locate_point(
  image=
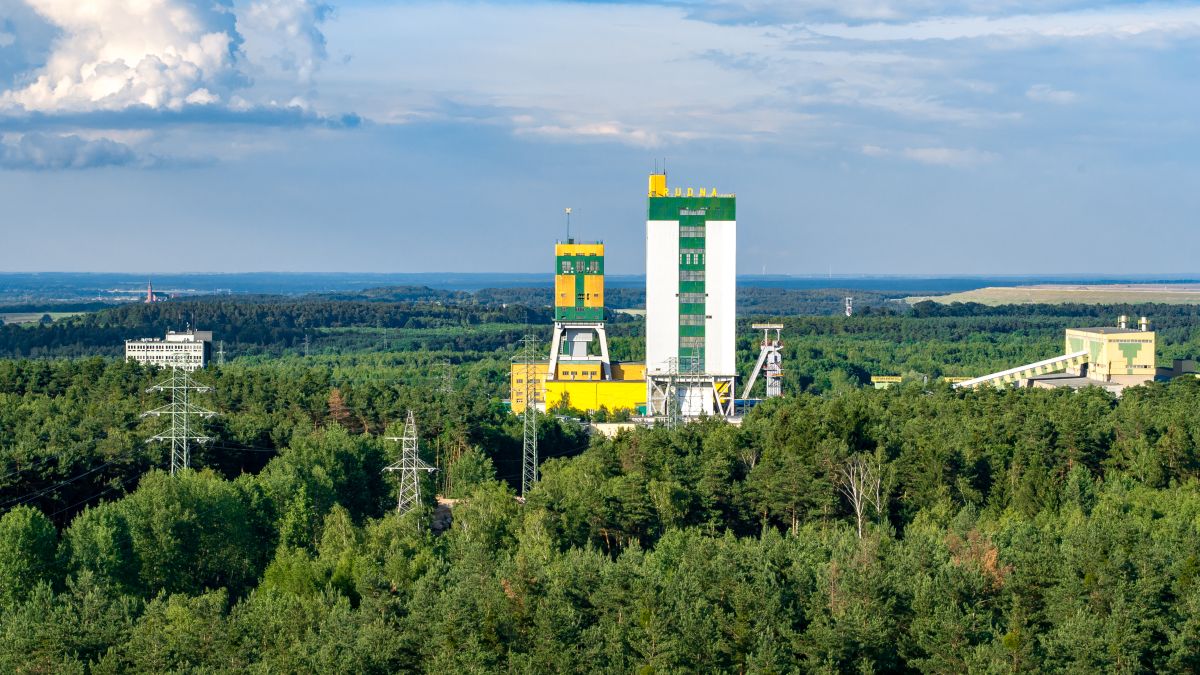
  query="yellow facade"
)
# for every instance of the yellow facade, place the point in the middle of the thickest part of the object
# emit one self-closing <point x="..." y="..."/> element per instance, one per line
<point x="571" y="248"/>
<point x="584" y="395"/>
<point x="516" y="383"/>
<point x="1118" y="355"/>
<point x="577" y="370"/>
<point x="593" y="289"/>
<point x="579" y="281"/>
<point x="629" y="371"/>
<point x="581" y="384"/>
<point x="564" y="290"/>
<point x="658" y="185"/>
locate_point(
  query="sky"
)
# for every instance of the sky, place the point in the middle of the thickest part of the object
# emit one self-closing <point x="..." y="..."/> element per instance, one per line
<point x="860" y="136"/>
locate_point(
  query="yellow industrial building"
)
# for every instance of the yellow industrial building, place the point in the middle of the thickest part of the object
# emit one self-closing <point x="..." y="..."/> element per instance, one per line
<point x="1111" y="357"/>
<point x="578" y="373"/>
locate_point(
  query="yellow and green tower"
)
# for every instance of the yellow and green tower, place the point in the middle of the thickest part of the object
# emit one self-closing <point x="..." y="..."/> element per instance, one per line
<point x="579" y="348"/>
<point x="579" y="282"/>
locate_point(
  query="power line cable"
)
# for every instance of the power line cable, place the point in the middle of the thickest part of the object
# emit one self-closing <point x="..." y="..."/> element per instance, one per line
<point x="33" y="464"/>
<point x="17" y="501"/>
<point x="98" y="494"/>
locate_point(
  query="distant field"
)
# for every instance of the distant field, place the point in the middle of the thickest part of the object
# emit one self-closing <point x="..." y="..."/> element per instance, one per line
<point x="1057" y="294"/>
<point x="33" y="317"/>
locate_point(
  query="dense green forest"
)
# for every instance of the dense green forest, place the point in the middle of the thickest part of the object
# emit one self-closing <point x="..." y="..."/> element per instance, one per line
<point x="383" y="319"/>
<point x="838" y="529"/>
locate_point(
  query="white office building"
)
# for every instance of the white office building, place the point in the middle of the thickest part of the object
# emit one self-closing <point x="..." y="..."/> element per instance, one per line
<point x="187" y="350"/>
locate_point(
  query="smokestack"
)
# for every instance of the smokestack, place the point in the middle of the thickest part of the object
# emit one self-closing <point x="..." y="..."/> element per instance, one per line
<point x="1144" y="324"/>
<point x="1123" y="321"/>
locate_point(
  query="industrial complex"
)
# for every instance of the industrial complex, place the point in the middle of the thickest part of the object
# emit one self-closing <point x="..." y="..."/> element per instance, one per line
<point x="691" y="288"/>
<point x="1111" y="357"/>
<point x="690" y="368"/>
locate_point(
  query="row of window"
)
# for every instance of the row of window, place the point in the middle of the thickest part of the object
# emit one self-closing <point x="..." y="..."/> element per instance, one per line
<point x="691" y="231"/>
<point x="691" y="258"/>
<point x="692" y="341"/>
<point x="691" y="275"/>
<point x="691" y="319"/>
<point x="580" y="267"/>
<point x="691" y="298"/>
<point x="585" y="374"/>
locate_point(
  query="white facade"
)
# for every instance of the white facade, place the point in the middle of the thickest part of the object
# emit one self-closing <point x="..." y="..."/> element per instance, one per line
<point x="691" y="302"/>
<point x="720" y="322"/>
<point x="662" y="294"/>
<point x="187" y="351"/>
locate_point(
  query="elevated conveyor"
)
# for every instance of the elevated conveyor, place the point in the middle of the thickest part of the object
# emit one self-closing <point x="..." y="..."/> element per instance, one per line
<point x="1014" y="375"/>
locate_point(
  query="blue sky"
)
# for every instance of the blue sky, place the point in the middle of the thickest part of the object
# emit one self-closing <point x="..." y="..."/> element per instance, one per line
<point x="861" y="136"/>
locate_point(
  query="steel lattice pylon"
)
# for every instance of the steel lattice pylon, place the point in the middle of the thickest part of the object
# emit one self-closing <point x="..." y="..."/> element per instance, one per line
<point x="409" y="466"/>
<point x="671" y="404"/>
<point x="529" y="453"/>
<point x="180" y="409"/>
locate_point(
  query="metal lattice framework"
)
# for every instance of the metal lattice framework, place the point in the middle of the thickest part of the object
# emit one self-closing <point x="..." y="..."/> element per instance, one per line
<point x="770" y="361"/>
<point x="181" y="411"/>
<point x="447" y="384"/>
<point x="409" y="466"/>
<point x="529" y="452"/>
<point x="671" y="403"/>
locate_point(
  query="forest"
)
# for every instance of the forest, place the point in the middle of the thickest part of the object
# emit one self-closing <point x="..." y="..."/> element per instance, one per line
<point x="838" y="529"/>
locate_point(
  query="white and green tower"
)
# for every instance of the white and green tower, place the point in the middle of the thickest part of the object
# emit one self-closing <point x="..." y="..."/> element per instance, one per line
<point x="691" y="303"/>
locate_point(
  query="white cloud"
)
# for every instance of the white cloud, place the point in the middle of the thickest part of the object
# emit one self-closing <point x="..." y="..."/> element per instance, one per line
<point x="163" y="54"/>
<point x="1044" y="93"/>
<point x="1183" y="22"/>
<point x="114" y="54"/>
<point x="954" y="157"/>
<point x="874" y="151"/>
<point x="283" y="37"/>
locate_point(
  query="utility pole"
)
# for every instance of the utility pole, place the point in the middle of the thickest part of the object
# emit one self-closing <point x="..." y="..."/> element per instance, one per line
<point x="181" y="410"/>
<point x="529" y="453"/>
<point x="409" y="465"/>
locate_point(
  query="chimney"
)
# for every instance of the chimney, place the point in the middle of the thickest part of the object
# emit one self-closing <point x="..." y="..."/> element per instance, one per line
<point x="1123" y="321"/>
<point x="1144" y="324"/>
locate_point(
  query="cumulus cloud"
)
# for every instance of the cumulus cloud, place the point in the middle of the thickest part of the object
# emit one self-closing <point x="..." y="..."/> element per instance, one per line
<point x="284" y="36"/>
<point x="165" y="54"/>
<point x="954" y="157"/>
<point x="38" y="151"/>
<point x="114" y="54"/>
<point x="1044" y="93"/>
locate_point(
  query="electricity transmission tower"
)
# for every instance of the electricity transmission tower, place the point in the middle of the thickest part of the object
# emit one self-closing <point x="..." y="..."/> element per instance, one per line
<point x="306" y="343"/>
<point x="181" y="410"/>
<point x="529" y="453"/>
<point x="221" y="353"/>
<point x="409" y="465"/>
<point x="447" y="385"/>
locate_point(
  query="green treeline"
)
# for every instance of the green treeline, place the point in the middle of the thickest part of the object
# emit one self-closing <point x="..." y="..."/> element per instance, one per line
<point x="1026" y="530"/>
